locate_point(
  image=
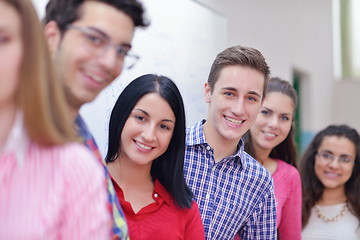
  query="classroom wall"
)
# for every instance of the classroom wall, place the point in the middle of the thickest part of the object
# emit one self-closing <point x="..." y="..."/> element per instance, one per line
<point x="181" y="43"/>
<point x="296" y="35"/>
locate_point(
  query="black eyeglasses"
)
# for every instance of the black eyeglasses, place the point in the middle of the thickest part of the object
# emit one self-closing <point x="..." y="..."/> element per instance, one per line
<point x="99" y="44"/>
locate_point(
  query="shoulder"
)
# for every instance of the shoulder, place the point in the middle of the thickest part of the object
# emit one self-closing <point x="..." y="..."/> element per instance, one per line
<point x="253" y="167"/>
<point x="76" y="158"/>
<point x="190" y="213"/>
<point x="255" y="174"/>
<point x="195" y="134"/>
<point x="286" y="170"/>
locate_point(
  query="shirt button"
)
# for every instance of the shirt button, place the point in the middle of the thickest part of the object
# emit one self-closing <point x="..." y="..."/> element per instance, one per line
<point x="208" y="196"/>
<point x="156" y="195"/>
<point x="208" y="148"/>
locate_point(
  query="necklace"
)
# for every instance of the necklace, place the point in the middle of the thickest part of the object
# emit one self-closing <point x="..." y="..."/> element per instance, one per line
<point x="333" y="219"/>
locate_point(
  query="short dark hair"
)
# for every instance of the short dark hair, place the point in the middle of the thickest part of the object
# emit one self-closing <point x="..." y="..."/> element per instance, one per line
<point x="242" y="56"/>
<point x="286" y="150"/>
<point x="169" y="167"/>
<point x="312" y="187"/>
<point x="65" y="12"/>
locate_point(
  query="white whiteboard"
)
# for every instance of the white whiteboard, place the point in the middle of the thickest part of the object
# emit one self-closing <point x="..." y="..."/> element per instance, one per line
<point x="181" y="43"/>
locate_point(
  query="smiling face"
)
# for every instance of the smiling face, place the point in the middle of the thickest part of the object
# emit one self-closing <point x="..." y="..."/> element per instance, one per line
<point x="234" y="103"/>
<point x="334" y="175"/>
<point x="273" y="123"/>
<point x="11" y="52"/>
<point x="83" y="71"/>
<point x="148" y="130"/>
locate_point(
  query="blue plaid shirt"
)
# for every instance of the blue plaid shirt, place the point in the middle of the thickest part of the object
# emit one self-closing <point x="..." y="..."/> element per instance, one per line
<point x="234" y="195"/>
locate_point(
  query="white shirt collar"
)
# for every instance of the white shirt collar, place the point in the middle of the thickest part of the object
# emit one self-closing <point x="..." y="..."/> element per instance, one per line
<point x="17" y="141"/>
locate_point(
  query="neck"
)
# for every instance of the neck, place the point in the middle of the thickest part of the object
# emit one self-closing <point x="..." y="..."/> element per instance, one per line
<point x="263" y="157"/>
<point x="7" y="119"/>
<point x="135" y="182"/>
<point x="129" y="175"/>
<point x="261" y="154"/>
<point x="222" y="147"/>
<point x="333" y="196"/>
<point x="74" y="112"/>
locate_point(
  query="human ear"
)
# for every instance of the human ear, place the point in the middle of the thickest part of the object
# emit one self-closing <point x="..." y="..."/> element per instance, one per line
<point x="207" y="92"/>
<point x="52" y="35"/>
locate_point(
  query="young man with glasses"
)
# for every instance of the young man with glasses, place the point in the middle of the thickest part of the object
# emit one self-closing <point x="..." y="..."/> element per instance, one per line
<point x="90" y="43"/>
<point x="234" y="192"/>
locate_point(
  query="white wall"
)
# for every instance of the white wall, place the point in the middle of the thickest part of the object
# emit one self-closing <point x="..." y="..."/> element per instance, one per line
<point x="296" y="35"/>
<point x="177" y="45"/>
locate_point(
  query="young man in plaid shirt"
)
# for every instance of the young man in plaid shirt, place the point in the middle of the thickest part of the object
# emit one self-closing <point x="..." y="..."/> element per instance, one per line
<point x="234" y="192"/>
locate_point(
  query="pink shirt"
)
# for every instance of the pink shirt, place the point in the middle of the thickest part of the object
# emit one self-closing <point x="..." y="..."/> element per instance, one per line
<point x="287" y="184"/>
<point x="51" y="193"/>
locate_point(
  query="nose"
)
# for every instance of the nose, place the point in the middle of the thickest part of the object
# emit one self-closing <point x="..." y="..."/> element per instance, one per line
<point x="334" y="163"/>
<point x="274" y="121"/>
<point x="238" y="107"/>
<point x="149" y="133"/>
<point x="111" y="62"/>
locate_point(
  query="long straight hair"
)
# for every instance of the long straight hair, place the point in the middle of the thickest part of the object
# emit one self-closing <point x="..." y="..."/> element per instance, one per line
<point x="286" y="150"/>
<point x="168" y="168"/>
<point x="40" y="96"/>
<point x="313" y="188"/>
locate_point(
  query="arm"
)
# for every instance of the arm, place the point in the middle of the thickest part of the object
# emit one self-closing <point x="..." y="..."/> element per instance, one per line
<point x="194" y="226"/>
<point x="85" y="213"/>
<point x="262" y="224"/>
<point x="290" y="224"/>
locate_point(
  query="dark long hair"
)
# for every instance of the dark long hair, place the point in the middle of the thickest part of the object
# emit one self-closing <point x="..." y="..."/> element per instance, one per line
<point x="168" y="168"/>
<point x="313" y="188"/>
<point x="286" y="150"/>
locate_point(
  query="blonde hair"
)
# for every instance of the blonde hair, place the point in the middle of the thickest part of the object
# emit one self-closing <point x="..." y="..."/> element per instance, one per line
<point x="40" y="96"/>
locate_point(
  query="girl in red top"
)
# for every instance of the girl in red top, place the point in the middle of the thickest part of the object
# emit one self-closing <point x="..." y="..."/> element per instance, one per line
<point x="145" y="159"/>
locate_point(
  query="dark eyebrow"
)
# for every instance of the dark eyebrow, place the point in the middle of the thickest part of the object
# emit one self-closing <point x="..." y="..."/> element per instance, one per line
<point x="255" y="93"/>
<point x="327" y="151"/>
<point x="341" y="155"/>
<point x="103" y="34"/>
<point x="230" y="89"/>
<point x="268" y="109"/>
<point x="143" y="111"/>
<point x="147" y="114"/>
<point x="168" y="120"/>
<point x="235" y="90"/>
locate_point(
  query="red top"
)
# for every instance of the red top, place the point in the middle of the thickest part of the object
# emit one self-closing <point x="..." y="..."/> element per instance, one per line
<point x="161" y="219"/>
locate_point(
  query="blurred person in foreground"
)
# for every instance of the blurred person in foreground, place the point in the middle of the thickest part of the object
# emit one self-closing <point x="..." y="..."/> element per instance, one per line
<point x="90" y="42"/>
<point x="47" y="181"/>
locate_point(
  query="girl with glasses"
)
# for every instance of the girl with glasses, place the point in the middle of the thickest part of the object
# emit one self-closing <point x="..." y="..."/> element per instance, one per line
<point x="331" y="175"/>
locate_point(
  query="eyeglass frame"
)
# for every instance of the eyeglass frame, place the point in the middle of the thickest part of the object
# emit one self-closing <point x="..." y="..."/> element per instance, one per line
<point x="104" y="39"/>
<point x="330" y="158"/>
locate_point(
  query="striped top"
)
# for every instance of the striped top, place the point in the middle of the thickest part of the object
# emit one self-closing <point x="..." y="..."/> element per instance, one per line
<point x="119" y="226"/>
<point x="50" y="192"/>
<point x="235" y="195"/>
